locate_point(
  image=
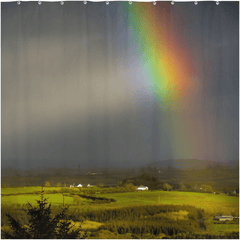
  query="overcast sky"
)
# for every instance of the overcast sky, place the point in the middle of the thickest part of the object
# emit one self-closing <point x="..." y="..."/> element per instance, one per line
<point x="77" y="83"/>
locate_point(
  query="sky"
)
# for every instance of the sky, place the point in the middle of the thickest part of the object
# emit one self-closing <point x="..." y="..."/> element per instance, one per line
<point x="118" y="85"/>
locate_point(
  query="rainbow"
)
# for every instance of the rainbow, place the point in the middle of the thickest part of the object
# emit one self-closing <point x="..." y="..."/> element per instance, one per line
<point x="164" y="58"/>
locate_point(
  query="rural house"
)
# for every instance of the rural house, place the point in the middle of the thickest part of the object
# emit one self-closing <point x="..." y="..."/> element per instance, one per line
<point x="223" y="218"/>
<point x="142" y="188"/>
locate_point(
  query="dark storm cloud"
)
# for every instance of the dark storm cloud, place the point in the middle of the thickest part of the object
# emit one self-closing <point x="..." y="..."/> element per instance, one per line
<point x="67" y="98"/>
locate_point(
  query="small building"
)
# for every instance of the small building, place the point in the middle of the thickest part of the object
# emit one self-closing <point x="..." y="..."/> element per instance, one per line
<point x="142" y="188"/>
<point x="79" y="185"/>
<point x="89" y="173"/>
<point x="223" y="218"/>
<point x="90" y="185"/>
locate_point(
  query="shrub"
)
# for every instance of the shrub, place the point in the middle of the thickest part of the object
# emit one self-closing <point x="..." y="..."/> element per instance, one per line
<point x="167" y="187"/>
<point x="47" y="184"/>
<point x="182" y="187"/>
<point x="77" y="199"/>
<point x="65" y="190"/>
<point x="130" y="187"/>
<point x="71" y="191"/>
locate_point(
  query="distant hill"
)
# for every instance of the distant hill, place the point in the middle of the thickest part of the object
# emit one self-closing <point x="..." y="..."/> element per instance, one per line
<point x="187" y="164"/>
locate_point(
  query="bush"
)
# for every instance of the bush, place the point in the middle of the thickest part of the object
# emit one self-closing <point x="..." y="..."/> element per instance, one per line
<point x="99" y="199"/>
<point x="130" y="187"/>
<point x="77" y="199"/>
<point x="167" y="187"/>
<point x="47" y="184"/>
<point x="65" y="190"/>
<point x="182" y="187"/>
<point x="71" y="191"/>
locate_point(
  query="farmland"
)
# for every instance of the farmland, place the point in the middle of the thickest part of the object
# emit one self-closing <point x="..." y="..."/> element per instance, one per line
<point x="96" y="202"/>
<point x="211" y="203"/>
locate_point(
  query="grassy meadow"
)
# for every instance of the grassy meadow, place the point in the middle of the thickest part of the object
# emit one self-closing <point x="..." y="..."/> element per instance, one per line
<point x="212" y="204"/>
<point x="24" y="190"/>
<point x="31" y="198"/>
<point x="218" y="228"/>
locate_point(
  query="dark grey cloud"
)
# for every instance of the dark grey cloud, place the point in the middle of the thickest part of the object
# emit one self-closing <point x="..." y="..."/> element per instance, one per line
<point x="73" y="92"/>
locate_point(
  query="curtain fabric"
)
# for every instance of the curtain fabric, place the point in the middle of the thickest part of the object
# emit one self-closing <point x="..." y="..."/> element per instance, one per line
<point x="118" y="85"/>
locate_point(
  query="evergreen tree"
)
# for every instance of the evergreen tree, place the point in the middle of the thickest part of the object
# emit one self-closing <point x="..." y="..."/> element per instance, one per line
<point x="42" y="224"/>
<point x="19" y="232"/>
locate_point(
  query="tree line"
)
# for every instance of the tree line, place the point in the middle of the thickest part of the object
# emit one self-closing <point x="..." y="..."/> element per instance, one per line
<point x="136" y="212"/>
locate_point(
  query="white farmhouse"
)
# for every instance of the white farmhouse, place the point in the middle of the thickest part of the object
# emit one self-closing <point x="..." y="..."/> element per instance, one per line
<point x="223" y="218"/>
<point x="142" y="188"/>
<point x="79" y="185"/>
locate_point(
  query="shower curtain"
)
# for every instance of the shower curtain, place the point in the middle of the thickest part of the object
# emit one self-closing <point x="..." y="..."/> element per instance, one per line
<point x="118" y="84"/>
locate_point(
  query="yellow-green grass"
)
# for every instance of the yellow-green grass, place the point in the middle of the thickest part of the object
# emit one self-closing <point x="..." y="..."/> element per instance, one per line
<point x="90" y="225"/>
<point x="31" y="198"/>
<point x="211" y="203"/>
<point x="222" y="228"/>
<point x="21" y="190"/>
<point x="86" y="225"/>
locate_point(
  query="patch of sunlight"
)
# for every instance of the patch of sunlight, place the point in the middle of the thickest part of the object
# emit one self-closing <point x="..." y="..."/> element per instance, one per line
<point x="86" y="225"/>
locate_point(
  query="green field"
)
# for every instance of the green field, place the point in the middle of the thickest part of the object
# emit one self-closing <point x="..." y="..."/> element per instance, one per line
<point x="21" y="190"/>
<point x="218" y="228"/>
<point x="31" y="198"/>
<point x="213" y="204"/>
